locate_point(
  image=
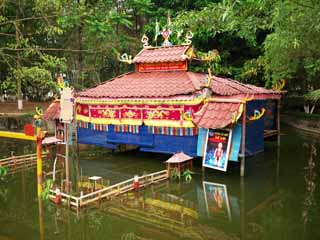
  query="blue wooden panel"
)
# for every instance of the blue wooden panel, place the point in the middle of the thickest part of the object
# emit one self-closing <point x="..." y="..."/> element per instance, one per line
<point x="254" y="129"/>
<point x="173" y="144"/>
<point x="88" y="136"/>
<point x="202" y="136"/>
<point x="141" y="139"/>
<point x="269" y="119"/>
<point x="236" y="143"/>
<point x="130" y="138"/>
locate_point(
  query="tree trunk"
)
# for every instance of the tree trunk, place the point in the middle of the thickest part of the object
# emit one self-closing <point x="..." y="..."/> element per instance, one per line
<point x="79" y="58"/>
<point x="18" y="75"/>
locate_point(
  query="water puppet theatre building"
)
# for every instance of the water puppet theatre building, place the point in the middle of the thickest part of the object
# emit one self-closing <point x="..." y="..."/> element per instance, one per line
<point x="163" y="107"/>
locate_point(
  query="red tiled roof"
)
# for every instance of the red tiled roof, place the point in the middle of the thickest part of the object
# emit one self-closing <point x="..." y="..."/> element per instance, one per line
<point x="216" y="114"/>
<point x="53" y="111"/>
<point x="228" y="87"/>
<point x="161" y="54"/>
<point x="148" y="84"/>
<point x="179" y="158"/>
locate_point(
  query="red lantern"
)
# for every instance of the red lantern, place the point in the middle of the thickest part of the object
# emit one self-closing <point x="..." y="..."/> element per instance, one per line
<point x="28" y="130"/>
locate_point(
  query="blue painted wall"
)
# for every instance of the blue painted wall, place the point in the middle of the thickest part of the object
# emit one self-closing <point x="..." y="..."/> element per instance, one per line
<point x="89" y="136"/>
<point x="173" y="144"/>
<point x="141" y="139"/>
<point x="148" y="142"/>
<point x="254" y="129"/>
<point x="270" y="115"/>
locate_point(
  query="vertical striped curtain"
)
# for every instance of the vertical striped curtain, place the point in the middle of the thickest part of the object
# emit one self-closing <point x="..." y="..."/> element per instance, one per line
<point x="127" y="128"/>
<point x="99" y="127"/>
<point x="81" y="124"/>
<point x="172" y="131"/>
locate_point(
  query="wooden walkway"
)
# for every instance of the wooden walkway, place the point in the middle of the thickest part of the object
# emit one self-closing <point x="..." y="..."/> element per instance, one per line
<point x="111" y="191"/>
<point x="270" y="133"/>
<point x="16" y="164"/>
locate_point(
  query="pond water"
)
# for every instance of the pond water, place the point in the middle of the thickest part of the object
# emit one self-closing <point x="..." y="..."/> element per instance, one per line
<point x="278" y="199"/>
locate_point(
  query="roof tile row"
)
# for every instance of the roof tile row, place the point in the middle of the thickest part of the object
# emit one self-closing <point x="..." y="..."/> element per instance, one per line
<point x="161" y="54"/>
<point x="227" y="87"/>
<point x="150" y="84"/>
<point x="171" y="83"/>
<point x="216" y="115"/>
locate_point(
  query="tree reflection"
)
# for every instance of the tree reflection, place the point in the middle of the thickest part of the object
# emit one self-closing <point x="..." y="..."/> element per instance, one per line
<point x="309" y="178"/>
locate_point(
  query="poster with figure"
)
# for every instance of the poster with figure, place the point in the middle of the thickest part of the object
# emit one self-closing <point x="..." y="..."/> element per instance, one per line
<point x="217" y="149"/>
<point x="217" y="201"/>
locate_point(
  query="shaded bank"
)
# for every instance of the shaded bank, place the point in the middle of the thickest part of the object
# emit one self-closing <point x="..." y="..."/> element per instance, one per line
<point x="309" y="125"/>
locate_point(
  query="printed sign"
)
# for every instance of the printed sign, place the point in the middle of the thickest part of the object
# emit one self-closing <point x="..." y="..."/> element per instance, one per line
<point x="217" y="149"/>
<point x="66" y="105"/>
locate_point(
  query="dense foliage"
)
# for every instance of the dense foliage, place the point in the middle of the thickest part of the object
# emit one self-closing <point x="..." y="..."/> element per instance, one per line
<point x="259" y="41"/>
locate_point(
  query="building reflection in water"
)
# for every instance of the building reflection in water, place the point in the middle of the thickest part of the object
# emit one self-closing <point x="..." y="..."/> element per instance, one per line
<point x="178" y="210"/>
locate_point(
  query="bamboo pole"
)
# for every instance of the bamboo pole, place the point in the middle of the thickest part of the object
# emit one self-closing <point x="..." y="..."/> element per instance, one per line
<point x="67" y="157"/>
<point x="242" y="209"/>
<point x="41" y="224"/>
<point x="39" y="161"/>
<point x="278" y="122"/>
<point x="16" y="135"/>
<point x="243" y="141"/>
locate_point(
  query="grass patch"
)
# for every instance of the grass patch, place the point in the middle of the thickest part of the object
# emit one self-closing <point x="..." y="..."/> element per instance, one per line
<point x="27" y="114"/>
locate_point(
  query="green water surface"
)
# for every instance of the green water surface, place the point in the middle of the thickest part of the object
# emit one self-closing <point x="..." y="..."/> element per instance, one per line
<point x="278" y="199"/>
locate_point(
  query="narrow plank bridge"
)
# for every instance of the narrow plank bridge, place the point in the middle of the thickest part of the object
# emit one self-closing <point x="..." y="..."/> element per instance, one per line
<point x="16" y="164"/>
<point x="109" y="192"/>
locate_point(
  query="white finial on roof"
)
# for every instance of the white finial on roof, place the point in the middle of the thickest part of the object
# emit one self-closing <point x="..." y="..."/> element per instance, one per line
<point x="145" y="41"/>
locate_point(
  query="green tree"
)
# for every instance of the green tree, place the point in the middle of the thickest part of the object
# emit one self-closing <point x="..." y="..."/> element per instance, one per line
<point x="36" y="82"/>
<point x="76" y="37"/>
<point x="292" y="50"/>
<point x="236" y="28"/>
<point x="23" y="28"/>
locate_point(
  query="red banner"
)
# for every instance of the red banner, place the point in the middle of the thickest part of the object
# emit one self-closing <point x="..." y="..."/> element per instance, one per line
<point x="105" y="113"/>
<point x="147" y="67"/>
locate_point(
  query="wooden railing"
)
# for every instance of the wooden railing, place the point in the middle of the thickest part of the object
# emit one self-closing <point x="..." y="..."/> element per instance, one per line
<point x="18" y="163"/>
<point x="111" y="191"/>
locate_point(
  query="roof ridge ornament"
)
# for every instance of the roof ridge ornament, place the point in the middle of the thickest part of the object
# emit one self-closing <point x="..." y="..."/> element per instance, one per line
<point x="145" y="41"/>
<point x="208" y="78"/>
<point x="125" y="58"/>
<point x="189" y="36"/>
<point x="257" y="114"/>
<point x="210" y="56"/>
<point x="279" y="85"/>
<point x="237" y="114"/>
<point x="166" y="32"/>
